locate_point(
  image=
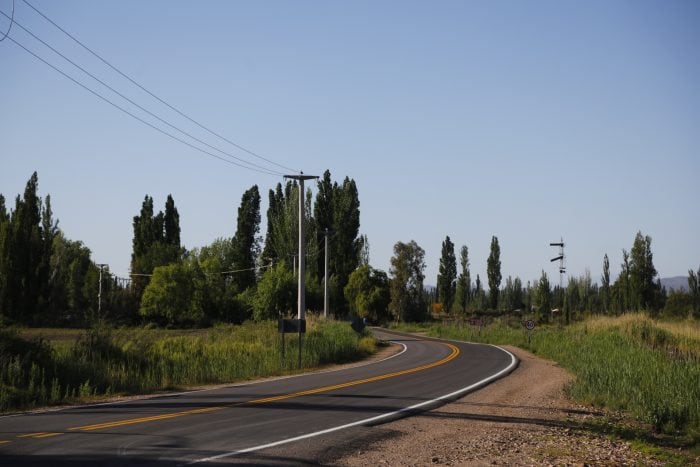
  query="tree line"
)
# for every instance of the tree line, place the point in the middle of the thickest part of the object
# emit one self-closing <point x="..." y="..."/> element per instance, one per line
<point x="49" y="280"/>
<point x="637" y="287"/>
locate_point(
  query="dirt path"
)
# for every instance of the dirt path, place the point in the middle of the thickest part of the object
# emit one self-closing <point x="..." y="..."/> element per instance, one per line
<point x="523" y="419"/>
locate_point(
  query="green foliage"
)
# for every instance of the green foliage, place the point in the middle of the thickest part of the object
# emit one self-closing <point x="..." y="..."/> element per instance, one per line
<point x="678" y="305"/>
<point x="106" y="362"/>
<point x="512" y="295"/>
<point x="493" y="271"/>
<point x="275" y="295"/>
<point x="156" y="241"/>
<point x="543" y="298"/>
<point x="463" y="289"/>
<point x="367" y="293"/>
<point x="246" y="243"/>
<point x="176" y="294"/>
<point x="631" y="364"/>
<point x="406" y="285"/>
<point x="642" y="273"/>
<point x="694" y="290"/>
<point x="447" y="276"/>
<point x="605" y="284"/>
<point x="345" y="245"/>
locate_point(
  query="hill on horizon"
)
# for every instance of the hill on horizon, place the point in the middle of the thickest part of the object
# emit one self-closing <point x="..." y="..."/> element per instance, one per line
<point x="677" y="283"/>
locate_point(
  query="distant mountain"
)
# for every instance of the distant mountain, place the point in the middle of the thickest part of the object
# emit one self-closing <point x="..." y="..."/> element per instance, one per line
<point x="677" y="283"/>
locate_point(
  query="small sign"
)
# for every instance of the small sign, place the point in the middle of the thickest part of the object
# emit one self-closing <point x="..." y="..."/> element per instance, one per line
<point x="475" y="321"/>
<point x="529" y="325"/>
<point x="292" y="326"/>
<point x="358" y="324"/>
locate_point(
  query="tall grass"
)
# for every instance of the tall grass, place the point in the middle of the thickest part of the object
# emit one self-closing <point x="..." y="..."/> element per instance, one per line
<point x="105" y="362"/>
<point x="650" y="369"/>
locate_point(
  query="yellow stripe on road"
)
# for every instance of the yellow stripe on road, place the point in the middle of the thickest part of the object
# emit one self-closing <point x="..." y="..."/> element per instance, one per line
<point x="99" y="426"/>
<point x="452" y="356"/>
<point x="153" y="418"/>
<point x="46" y="435"/>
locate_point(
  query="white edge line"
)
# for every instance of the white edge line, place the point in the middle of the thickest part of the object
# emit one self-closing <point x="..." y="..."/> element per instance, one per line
<point x="378" y="418"/>
<point x="194" y="391"/>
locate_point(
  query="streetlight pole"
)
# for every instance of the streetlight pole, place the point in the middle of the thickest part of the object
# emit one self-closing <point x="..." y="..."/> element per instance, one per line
<point x="99" y="292"/>
<point x="325" y="277"/>
<point x="301" y="291"/>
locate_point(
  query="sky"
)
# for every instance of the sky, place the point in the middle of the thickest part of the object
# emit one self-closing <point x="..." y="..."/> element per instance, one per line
<point x="528" y="121"/>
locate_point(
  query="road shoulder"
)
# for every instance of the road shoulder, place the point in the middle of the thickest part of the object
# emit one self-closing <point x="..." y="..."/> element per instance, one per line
<point x="523" y="419"/>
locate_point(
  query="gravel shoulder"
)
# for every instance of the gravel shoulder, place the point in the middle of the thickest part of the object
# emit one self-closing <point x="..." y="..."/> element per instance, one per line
<point x="522" y="419"/>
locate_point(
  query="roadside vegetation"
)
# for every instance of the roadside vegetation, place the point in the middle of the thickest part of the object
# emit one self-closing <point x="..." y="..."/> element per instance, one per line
<point x="647" y="368"/>
<point x="181" y="309"/>
<point x="98" y="363"/>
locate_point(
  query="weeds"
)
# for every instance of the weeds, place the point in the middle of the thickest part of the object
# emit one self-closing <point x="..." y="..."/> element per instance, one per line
<point x="103" y="362"/>
<point x="632" y="363"/>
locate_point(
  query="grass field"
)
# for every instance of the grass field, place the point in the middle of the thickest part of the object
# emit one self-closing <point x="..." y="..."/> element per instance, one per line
<point x="41" y="367"/>
<point x="647" y="368"/>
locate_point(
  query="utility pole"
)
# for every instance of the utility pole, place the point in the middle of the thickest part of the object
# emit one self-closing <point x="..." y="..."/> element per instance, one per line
<point x="301" y="291"/>
<point x="325" y="277"/>
<point x="99" y="292"/>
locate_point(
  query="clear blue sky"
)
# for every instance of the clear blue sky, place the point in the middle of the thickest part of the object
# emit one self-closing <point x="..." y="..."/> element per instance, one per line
<point x="525" y="120"/>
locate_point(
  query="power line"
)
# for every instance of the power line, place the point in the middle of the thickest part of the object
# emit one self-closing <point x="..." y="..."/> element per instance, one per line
<point x="127" y="77"/>
<point x="12" y="21"/>
<point x="139" y="106"/>
<point x="264" y="171"/>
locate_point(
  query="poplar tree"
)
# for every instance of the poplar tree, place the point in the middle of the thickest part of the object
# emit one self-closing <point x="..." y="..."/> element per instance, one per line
<point x="156" y="241"/>
<point x="493" y="270"/>
<point x="642" y="273"/>
<point x="694" y="290"/>
<point x="323" y="215"/>
<point x="447" y="276"/>
<point x="171" y="223"/>
<point x="275" y="203"/>
<point x="463" y="290"/>
<point x="246" y="242"/>
<point x="345" y="249"/>
<point x="605" y="283"/>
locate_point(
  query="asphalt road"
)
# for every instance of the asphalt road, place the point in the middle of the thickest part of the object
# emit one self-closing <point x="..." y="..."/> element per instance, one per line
<point x="295" y="414"/>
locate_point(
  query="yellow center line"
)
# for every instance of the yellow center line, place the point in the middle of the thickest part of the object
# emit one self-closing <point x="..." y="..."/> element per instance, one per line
<point x="4" y="441"/>
<point x="46" y="435"/>
<point x="132" y="421"/>
<point x="31" y="435"/>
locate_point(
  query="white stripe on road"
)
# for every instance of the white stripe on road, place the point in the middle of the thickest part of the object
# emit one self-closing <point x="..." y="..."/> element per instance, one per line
<point x="378" y="418"/>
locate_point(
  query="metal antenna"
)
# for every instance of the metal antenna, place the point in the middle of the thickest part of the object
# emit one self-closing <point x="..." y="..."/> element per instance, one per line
<point x="560" y="258"/>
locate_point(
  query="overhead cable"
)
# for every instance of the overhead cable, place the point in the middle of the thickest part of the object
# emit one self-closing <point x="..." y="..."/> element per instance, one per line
<point x="170" y="135"/>
<point x="12" y="21"/>
<point x="162" y="101"/>
<point x="141" y="107"/>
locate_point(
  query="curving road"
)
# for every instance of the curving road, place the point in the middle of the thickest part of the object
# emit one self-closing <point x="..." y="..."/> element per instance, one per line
<point x="282" y="416"/>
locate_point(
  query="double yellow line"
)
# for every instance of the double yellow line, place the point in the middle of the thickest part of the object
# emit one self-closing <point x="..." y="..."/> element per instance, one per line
<point x="132" y="421"/>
